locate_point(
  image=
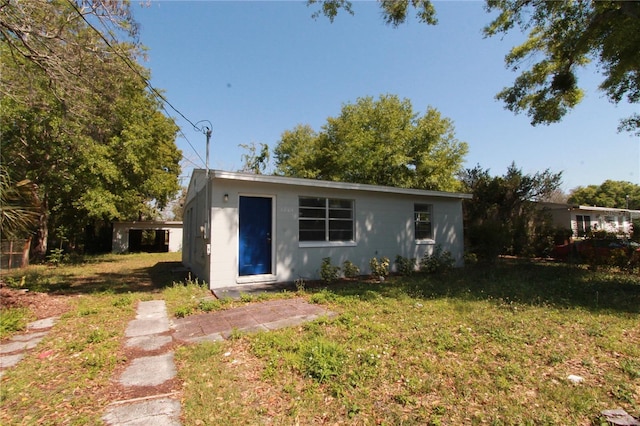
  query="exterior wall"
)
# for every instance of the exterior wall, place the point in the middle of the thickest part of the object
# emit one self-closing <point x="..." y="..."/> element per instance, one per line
<point x="614" y="222"/>
<point x="383" y="227"/>
<point x="611" y="220"/>
<point x="194" y="253"/>
<point x="120" y="238"/>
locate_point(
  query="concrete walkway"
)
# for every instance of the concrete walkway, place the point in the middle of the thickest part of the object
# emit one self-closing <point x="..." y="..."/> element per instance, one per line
<point x="16" y="348"/>
<point x="263" y="316"/>
<point x="152" y="332"/>
<point x="147" y="333"/>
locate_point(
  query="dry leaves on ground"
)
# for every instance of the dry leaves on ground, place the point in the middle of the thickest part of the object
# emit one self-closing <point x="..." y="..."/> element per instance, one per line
<point x="42" y="305"/>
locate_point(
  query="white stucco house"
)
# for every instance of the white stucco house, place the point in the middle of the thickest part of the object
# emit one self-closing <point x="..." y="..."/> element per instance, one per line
<point x="155" y="236"/>
<point x="582" y="219"/>
<point x="242" y="228"/>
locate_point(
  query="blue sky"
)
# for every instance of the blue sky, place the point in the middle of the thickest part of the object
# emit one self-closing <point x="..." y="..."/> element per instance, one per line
<point x="256" y="69"/>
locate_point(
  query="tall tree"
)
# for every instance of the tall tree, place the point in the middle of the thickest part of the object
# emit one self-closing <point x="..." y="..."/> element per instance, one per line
<point x="503" y="215"/>
<point x="563" y="36"/>
<point x="254" y="161"/>
<point x="56" y="38"/>
<point x="611" y="193"/>
<point x="77" y="120"/>
<point x="379" y="142"/>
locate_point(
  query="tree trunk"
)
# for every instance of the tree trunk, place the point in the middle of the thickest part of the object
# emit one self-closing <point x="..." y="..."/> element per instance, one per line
<point x="39" y="246"/>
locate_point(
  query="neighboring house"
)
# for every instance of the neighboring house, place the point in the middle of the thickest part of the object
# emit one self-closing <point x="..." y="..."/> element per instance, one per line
<point x="244" y="228"/>
<point x="147" y="236"/>
<point x="582" y="219"/>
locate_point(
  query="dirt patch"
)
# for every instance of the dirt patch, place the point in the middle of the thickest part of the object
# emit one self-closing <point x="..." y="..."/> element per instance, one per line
<point x="42" y="305"/>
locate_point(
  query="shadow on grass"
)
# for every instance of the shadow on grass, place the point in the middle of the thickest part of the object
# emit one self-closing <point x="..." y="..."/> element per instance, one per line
<point x="513" y="281"/>
<point x="142" y="279"/>
<point x="148" y="279"/>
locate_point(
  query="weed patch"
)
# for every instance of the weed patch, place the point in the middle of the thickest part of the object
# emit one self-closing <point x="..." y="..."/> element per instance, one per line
<point x="484" y="344"/>
<point x="13" y="320"/>
<point x="487" y="345"/>
<point x="67" y="379"/>
<point x="322" y="359"/>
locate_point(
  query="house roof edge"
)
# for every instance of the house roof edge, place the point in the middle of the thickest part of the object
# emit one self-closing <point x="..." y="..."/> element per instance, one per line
<point x="250" y="177"/>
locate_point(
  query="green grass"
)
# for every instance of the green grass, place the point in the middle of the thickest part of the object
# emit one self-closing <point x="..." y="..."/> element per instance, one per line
<point x="474" y="346"/>
<point x="13" y="320"/>
<point x="480" y="345"/>
<point x="67" y="379"/>
<point x="67" y="386"/>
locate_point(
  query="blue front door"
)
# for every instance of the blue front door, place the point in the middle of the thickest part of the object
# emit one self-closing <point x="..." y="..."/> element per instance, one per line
<point x="254" y="218"/>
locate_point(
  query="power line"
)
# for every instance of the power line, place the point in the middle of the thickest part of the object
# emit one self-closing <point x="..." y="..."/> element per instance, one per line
<point x="146" y="81"/>
<point x="194" y="150"/>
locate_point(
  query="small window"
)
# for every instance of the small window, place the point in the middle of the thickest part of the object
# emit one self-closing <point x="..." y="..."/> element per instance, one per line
<point x="422" y="221"/>
<point x="325" y="219"/>
<point x="583" y="224"/>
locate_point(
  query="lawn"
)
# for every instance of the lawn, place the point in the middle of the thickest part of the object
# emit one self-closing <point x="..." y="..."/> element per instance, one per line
<point x="479" y="345"/>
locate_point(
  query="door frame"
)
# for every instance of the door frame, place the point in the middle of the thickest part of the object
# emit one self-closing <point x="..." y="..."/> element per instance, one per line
<point x="258" y="277"/>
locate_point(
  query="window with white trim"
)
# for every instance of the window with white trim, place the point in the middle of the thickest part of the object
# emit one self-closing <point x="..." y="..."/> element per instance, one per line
<point x="422" y="221"/>
<point x="325" y="219"/>
<point x="583" y="224"/>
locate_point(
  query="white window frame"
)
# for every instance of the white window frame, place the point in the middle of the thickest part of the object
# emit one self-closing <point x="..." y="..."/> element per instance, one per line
<point x="327" y="219"/>
<point x="419" y="209"/>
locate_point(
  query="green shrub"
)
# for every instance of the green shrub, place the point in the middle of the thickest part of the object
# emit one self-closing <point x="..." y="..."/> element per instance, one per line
<point x="437" y="262"/>
<point x="183" y="311"/>
<point x="122" y="301"/>
<point x="300" y="284"/>
<point x="328" y="272"/>
<point x="208" y="305"/>
<point x="15" y="282"/>
<point x="12" y="320"/>
<point x="379" y="268"/>
<point x="57" y="257"/>
<point x="246" y="298"/>
<point x="98" y="335"/>
<point x="322" y="359"/>
<point x="350" y="270"/>
<point x="470" y="258"/>
<point x="488" y="240"/>
<point x="323" y="296"/>
<point x="405" y="266"/>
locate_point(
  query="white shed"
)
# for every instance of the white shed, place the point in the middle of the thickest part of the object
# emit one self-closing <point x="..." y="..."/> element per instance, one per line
<point x="242" y="228"/>
<point x="150" y="236"/>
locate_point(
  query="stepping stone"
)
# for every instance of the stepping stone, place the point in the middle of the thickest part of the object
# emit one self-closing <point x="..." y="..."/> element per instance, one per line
<point x="151" y="309"/>
<point x="151" y="318"/>
<point x="43" y="323"/>
<point x="19" y="346"/>
<point x="148" y="343"/>
<point x="149" y="371"/>
<point x="7" y="361"/>
<point x="27" y="337"/>
<point x="157" y="412"/>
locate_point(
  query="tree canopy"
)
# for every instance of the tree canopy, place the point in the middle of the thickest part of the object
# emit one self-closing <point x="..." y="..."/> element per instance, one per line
<point x="610" y="193"/>
<point x="78" y="121"/>
<point x="254" y="161"/>
<point x="380" y="142"/>
<point x="393" y="12"/>
<point x="18" y="206"/>
<point x="563" y="37"/>
<point x="503" y="216"/>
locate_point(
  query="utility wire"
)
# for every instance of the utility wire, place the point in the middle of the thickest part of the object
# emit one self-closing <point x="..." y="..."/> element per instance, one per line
<point x="146" y="81"/>
<point x="189" y="142"/>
